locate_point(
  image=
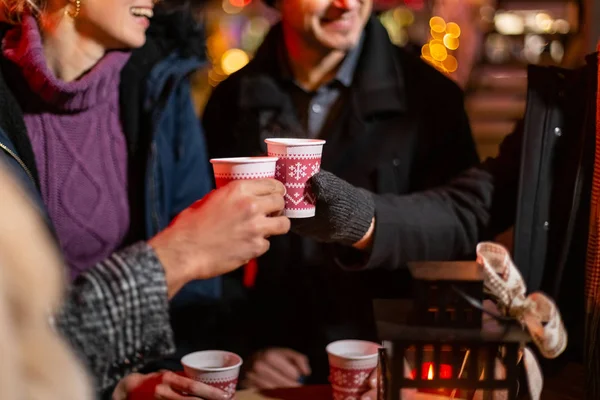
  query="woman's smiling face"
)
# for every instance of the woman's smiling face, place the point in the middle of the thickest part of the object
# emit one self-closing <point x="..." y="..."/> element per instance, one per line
<point x="116" y="24"/>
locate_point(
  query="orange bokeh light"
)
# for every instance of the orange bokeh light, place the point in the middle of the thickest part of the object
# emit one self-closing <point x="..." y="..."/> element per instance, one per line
<point x="438" y="52"/>
<point x="240" y="3"/>
<point x="437" y="24"/>
<point x="450" y="64"/>
<point x="450" y="42"/>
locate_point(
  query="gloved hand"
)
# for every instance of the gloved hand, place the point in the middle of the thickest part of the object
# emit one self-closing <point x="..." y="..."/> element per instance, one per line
<point x="344" y="212"/>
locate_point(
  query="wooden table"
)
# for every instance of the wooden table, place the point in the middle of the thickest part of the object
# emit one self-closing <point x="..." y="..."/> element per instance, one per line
<point x="316" y="392"/>
<point x="568" y="385"/>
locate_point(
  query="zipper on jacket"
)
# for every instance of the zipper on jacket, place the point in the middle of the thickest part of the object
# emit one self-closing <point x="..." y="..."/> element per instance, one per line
<point x="21" y="163"/>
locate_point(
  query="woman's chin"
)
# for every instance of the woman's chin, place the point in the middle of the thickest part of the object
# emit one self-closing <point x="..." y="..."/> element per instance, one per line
<point x="131" y="42"/>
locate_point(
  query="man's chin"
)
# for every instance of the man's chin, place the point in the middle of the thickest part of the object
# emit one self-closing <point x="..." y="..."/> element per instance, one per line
<point x="341" y="44"/>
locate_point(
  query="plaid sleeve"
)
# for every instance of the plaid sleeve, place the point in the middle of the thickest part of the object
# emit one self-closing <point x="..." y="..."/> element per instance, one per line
<point x="116" y="315"/>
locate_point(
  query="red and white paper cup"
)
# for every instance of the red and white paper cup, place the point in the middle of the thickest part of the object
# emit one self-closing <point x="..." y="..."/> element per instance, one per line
<point x="238" y="168"/>
<point x="216" y="368"/>
<point x="351" y="362"/>
<point x="299" y="160"/>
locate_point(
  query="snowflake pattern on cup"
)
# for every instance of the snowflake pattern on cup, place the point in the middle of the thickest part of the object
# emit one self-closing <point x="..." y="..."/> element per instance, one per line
<point x="360" y="378"/>
<point x="339" y="377"/>
<point x="231" y="169"/>
<point x="298" y="160"/>
<point x="350" y="379"/>
<point x="294" y="173"/>
<point x="226" y="386"/>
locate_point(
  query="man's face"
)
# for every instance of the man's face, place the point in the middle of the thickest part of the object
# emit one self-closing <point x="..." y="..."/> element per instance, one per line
<point x="326" y="24"/>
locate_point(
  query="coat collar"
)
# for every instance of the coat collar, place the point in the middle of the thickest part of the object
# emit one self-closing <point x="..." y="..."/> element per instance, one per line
<point x="378" y="83"/>
<point x="345" y="73"/>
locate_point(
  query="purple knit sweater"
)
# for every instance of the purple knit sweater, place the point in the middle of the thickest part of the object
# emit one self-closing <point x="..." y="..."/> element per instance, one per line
<point x="79" y="146"/>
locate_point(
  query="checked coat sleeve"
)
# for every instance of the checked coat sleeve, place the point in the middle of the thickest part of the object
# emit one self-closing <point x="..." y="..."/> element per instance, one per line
<point x="116" y="315"/>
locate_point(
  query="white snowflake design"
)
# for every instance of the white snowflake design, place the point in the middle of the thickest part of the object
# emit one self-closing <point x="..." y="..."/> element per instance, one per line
<point x="277" y="170"/>
<point x="360" y="378"/>
<point x="298" y="171"/>
<point x="315" y="168"/>
<point x="339" y="378"/>
<point x="230" y="388"/>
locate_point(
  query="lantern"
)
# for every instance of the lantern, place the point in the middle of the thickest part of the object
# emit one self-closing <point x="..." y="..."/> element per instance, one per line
<point x="445" y="344"/>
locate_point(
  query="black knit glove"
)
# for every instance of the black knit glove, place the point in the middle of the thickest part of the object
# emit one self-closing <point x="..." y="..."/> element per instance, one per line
<point x="344" y="212"/>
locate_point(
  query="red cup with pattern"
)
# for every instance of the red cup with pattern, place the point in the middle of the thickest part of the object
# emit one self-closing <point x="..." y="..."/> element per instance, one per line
<point x="351" y="362"/>
<point x="215" y="368"/>
<point x="299" y="160"/>
<point x="238" y="168"/>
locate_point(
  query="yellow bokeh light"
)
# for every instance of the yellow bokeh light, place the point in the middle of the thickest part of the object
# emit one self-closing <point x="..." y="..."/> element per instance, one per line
<point x="437" y="24"/>
<point x="398" y="36"/>
<point x="232" y="60"/>
<point x="435" y="41"/>
<point x="437" y="35"/>
<point x="541" y="19"/>
<point x="450" y="42"/>
<point x="404" y="16"/>
<point x="453" y="29"/>
<point x="257" y="26"/>
<point x="216" y="45"/>
<point x="425" y="51"/>
<point x="438" y="52"/>
<point x="450" y="64"/>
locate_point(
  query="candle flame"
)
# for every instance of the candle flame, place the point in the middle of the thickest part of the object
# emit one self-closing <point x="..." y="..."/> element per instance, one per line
<point x="430" y="373"/>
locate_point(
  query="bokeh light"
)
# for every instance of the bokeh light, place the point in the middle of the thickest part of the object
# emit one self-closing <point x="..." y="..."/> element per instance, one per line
<point x="450" y="42"/>
<point x="443" y="39"/>
<point x="438" y="52"/>
<point x="233" y="60"/>
<point x="453" y="29"/>
<point x="437" y="24"/>
<point x="450" y="63"/>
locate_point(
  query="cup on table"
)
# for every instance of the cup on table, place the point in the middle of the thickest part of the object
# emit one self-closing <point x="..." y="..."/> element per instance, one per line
<point x="351" y="362"/>
<point x="299" y="160"/>
<point x="215" y="368"/>
<point x="238" y="168"/>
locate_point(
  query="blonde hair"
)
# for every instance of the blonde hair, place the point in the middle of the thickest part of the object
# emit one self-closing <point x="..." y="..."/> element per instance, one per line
<point x="35" y="362"/>
<point x="12" y="10"/>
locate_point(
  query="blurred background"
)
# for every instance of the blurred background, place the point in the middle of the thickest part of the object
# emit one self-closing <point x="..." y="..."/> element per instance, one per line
<point x="484" y="45"/>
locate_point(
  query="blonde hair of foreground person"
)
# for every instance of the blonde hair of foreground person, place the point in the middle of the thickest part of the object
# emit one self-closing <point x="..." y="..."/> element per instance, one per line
<point x="11" y="10"/>
<point x="35" y="363"/>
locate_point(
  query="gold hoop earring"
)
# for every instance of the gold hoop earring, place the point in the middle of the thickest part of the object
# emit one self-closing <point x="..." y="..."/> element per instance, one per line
<point x="74" y="14"/>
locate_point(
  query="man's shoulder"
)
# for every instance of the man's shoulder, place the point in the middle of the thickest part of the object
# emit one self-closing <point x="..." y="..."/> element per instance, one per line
<point x="227" y="89"/>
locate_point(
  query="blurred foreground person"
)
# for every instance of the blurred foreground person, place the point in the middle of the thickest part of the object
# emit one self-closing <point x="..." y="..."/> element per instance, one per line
<point x="35" y="362"/>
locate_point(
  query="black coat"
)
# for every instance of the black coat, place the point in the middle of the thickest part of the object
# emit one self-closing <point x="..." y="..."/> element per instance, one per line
<point x="402" y="129"/>
<point x="540" y="182"/>
<point x="549" y="161"/>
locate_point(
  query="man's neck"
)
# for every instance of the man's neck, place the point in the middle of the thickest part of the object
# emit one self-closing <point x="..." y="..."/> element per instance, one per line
<point x="68" y="54"/>
<point x="311" y="67"/>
